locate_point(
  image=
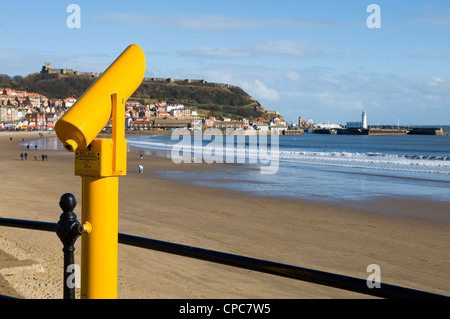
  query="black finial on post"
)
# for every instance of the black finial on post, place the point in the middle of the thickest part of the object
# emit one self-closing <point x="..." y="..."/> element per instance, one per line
<point x="68" y="230"/>
<point x="68" y="202"/>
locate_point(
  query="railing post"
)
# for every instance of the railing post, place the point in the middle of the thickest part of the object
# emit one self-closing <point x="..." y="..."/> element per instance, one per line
<point x="68" y="230"/>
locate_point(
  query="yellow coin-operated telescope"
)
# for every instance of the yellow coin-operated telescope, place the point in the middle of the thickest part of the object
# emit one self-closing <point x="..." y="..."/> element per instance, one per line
<point x="100" y="162"/>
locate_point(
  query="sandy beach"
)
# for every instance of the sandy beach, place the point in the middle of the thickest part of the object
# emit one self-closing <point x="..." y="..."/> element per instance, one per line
<point x="412" y="251"/>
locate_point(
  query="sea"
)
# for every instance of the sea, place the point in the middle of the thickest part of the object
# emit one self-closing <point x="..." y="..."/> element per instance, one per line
<point x="317" y="166"/>
<point x="311" y="166"/>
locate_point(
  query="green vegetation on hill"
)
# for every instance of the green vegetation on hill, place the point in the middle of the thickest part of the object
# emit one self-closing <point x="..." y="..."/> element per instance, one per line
<point x="208" y="99"/>
<point x="52" y="86"/>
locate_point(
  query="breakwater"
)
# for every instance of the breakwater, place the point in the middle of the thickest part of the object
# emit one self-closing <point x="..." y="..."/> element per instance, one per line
<point x="427" y="131"/>
<point x="387" y="130"/>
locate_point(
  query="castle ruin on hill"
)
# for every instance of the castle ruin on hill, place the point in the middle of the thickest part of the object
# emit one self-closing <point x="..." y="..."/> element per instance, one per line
<point x="47" y="69"/>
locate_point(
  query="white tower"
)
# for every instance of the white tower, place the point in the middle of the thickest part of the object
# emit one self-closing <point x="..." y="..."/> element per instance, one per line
<point x="364" y="120"/>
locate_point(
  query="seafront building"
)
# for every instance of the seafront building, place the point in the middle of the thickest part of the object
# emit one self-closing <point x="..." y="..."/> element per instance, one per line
<point x="21" y="110"/>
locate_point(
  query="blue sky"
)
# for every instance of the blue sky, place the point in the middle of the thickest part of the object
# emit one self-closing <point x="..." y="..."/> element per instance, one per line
<point x="317" y="59"/>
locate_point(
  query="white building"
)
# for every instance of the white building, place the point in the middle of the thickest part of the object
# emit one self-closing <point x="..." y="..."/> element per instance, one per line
<point x="330" y="126"/>
<point x="69" y="102"/>
<point x="174" y="107"/>
<point x="362" y="124"/>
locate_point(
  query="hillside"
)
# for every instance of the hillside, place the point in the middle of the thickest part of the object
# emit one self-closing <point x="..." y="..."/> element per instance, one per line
<point x="209" y="99"/>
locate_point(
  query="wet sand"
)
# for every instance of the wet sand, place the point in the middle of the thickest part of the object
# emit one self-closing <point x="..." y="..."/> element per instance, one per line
<point x="342" y="238"/>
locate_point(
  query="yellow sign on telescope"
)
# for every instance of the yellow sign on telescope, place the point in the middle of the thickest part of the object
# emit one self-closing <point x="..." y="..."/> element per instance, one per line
<point x="88" y="163"/>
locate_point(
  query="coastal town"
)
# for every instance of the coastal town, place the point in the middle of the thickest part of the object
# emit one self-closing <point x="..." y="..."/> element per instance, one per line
<point x="29" y="111"/>
<point x="26" y="111"/>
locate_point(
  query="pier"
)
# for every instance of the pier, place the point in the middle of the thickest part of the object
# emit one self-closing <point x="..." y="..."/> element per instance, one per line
<point x="362" y="128"/>
<point x="388" y="130"/>
<point x="427" y="131"/>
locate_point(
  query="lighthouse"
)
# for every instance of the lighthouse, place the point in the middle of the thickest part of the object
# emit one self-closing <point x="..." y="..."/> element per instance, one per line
<point x="364" y="120"/>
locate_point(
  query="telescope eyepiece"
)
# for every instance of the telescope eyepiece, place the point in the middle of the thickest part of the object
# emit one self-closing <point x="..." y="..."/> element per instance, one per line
<point x="70" y="145"/>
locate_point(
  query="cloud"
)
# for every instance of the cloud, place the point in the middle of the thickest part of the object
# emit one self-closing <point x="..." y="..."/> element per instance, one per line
<point x="207" y="22"/>
<point x="286" y="48"/>
<point x="276" y="48"/>
<point x="424" y="57"/>
<point x="20" y="61"/>
<point x="260" y="91"/>
<point x="23" y="61"/>
<point x="441" y="20"/>
<point x="215" y="52"/>
<point x="436" y="80"/>
<point x="293" y="76"/>
<point x="252" y="79"/>
<point x="386" y="97"/>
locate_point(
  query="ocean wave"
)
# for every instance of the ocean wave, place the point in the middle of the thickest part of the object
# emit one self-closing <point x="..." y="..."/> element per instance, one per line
<point x="373" y="157"/>
<point x="150" y="145"/>
<point x="372" y="161"/>
<point x="422" y="163"/>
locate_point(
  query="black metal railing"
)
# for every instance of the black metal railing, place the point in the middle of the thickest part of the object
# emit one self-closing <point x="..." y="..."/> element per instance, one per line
<point x="278" y="269"/>
<point x="264" y="266"/>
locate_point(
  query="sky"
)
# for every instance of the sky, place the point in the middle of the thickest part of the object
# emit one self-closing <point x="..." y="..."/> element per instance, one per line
<point x="323" y="60"/>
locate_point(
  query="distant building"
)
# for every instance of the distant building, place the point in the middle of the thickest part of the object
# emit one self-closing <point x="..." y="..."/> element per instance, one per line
<point x="180" y="113"/>
<point x="36" y="120"/>
<point x="357" y="125"/>
<point x="169" y="108"/>
<point x="34" y="99"/>
<point x="133" y="103"/>
<point x="166" y="124"/>
<point x="47" y="69"/>
<point x="228" y="124"/>
<point x="8" y="114"/>
<point x="260" y="121"/>
<point x="277" y="121"/>
<point x="68" y="102"/>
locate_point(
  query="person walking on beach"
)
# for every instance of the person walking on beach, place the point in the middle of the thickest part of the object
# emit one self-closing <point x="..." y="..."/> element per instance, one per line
<point x="142" y="156"/>
<point x="26" y="155"/>
<point x="43" y="157"/>
<point x="141" y="169"/>
<point x="21" y="156"/>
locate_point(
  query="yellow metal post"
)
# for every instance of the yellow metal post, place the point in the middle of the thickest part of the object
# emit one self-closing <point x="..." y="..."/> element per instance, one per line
<point x="99" y="247"/>
<point x="100" y="162"/>
<point x="100" y="208"/>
